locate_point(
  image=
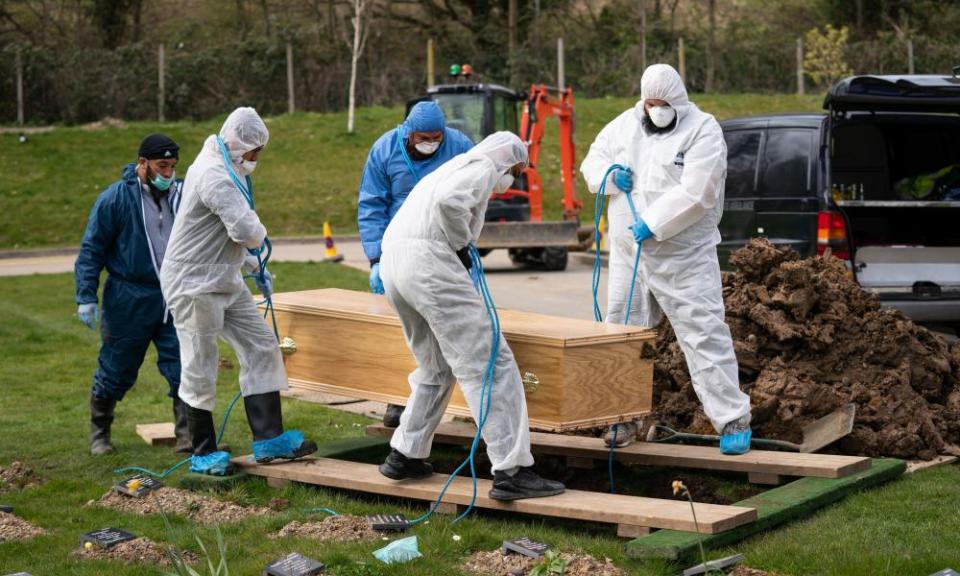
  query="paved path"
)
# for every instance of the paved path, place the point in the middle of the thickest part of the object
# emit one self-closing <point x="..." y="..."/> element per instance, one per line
<point x="565" y="293"/>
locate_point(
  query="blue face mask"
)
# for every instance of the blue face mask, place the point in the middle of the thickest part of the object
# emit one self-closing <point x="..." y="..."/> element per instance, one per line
<point x="163" y="184"/>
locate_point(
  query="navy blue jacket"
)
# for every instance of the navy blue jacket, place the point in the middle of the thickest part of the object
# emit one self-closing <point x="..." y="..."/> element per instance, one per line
<point x="116" y="239"/>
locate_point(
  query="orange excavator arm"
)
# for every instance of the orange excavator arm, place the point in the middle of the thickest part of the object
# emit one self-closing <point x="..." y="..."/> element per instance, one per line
<point x="542" y="103"/>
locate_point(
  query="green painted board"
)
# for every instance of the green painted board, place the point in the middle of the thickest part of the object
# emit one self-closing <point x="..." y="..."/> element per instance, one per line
<point x="774" y="507"/>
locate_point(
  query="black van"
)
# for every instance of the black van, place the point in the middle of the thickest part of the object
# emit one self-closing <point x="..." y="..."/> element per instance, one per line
<point x="876" y="179"/>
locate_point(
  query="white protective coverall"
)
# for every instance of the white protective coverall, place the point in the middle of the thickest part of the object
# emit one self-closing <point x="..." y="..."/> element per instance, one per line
<point x="678" y="180"/>
<point x="444" y="319"/>
<point x="201" y="276"/>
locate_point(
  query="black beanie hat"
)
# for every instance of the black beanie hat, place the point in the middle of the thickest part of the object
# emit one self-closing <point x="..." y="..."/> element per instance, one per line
<point x="159" y="147"/>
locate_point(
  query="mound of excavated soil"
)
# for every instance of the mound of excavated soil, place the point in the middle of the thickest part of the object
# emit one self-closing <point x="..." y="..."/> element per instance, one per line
<point x="198" y="507"/>
<point x="494" y="563"/>
<point x="17" y="476"/>
<point x="137" y="551"/>
<point x="331" y="529"/>
<point x="14" y="528"/>
<point x="809" y="339"/>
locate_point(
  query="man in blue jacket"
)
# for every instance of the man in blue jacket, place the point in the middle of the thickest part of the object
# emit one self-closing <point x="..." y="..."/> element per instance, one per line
<point x="397" y="161"/>
<point x="127" y="234"/>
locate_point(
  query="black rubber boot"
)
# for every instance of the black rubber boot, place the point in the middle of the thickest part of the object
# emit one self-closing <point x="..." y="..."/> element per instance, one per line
<point x="391" y="418"/>
<point x="203" y="435"/>
<point x="266" y="423"/>
<point x="524" y="484"/>
<point x="399" y="467"/>
<point x="101" y="417"/>
<point x="181" y="428"/>
<point x="264" y="415"/>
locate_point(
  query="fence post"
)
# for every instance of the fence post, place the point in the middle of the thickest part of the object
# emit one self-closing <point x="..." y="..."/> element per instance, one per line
<point x="431" y="77"/>
<point x="681" y="60"/>
<point x="800" y="87"/>
<point x="161" y="82"/>
<point x="910" y="56"/>
<point x="290" y="103"/>
<point x="19" y="65"/>
<point x="561" y="73"/>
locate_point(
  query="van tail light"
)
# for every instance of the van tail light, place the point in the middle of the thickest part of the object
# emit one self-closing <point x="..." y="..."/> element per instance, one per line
<point x="832" y="234"/>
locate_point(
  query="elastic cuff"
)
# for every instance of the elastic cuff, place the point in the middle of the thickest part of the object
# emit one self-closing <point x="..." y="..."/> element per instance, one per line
<point x="374" y="261"/>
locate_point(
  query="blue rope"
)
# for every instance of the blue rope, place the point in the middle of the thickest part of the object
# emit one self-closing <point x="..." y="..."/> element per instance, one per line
<point x="486" y="394"/>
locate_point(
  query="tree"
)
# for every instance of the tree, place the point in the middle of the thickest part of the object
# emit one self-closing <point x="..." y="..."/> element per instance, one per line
<point x="824" y="59"/>
<point x="360" y="20"/>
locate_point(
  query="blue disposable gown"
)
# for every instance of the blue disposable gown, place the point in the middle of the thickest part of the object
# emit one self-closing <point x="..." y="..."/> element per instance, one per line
<point x="388" y="179"/>
<point x="133" y="305"/>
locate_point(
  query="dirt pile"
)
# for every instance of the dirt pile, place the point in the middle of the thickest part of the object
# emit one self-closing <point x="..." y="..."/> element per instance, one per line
<point x="14" y="528"/>
<point x="137" y="551"/>
<point x="198" y="507"/>
<point x="17" y="476"/>
<point x="809" y="339"/>
<point x="494" y="563"/>
<point x="331" y="529"/>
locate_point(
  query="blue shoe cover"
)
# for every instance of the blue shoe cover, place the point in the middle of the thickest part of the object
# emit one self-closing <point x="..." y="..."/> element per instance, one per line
<point x="283" y="446"/>
<point x="214" y="464"/>
<point x="738" y="443"/>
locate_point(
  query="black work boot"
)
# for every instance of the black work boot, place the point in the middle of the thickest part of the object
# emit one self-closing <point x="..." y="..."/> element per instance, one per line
<point x="399" y="467"/>
<point x="524" y="484"/>
<point x="181" y="429"/>
<point x="101" y="417"/>
<point x="203" y="435"/>
<point x="391" y="418"/>
<point x="266" y="423"/>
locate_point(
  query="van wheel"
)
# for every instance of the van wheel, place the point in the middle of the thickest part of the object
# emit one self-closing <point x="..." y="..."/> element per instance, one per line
<point x="549" y="259"/>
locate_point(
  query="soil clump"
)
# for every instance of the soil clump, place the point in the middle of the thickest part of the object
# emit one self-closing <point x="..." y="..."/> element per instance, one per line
<point x="200" y="508"/>
<point x="15" y="528"/>
<point x="494" y="563"/>
<point x="809" y="339"/>
<point x="138" y="551"/>
<point x="17" y="476"/>
<point x="331" y="529"/>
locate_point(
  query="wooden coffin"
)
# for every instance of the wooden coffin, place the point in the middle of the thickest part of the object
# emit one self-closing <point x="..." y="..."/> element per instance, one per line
<point x="351" y="344"/>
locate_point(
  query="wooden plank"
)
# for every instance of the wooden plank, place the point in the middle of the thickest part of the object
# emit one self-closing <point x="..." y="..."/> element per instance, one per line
<point x="589" y="506"/>
<point x="775" y="507"/>
<point x="159" y="434"/>
<point x="628" y="531"/>
<point x="676" y="455"/>
<point x="918" y="465"/>
<point x="517" y="326"/>
<point x="765" y="478"/>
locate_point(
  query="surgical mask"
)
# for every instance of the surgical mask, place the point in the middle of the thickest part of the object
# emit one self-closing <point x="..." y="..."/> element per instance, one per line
<point x="427" y="148"/>
<point x="503" y="184"/>
<point x="245" y="167"/>
<point x="661" y="116"/>
<point x="163" y="184"/>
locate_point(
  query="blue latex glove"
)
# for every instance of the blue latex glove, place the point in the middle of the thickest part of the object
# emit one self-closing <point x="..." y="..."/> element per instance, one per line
<point x="89" y="314"/>
<point x="376" y="284"/>
<point x="264" y="284"/>
<point x="641" y="231"/>
<point x="623" y="178"/>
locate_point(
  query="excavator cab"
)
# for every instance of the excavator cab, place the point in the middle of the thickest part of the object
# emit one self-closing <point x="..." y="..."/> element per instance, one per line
<point x="514" y="218"/>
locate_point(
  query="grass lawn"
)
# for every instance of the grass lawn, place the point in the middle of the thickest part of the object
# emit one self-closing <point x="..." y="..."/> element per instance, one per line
<point x="907" y="527"/>
<point x="309" y="173"/>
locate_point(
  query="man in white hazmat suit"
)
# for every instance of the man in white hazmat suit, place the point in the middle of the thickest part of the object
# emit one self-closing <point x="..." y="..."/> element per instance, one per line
<point x="426" y="275"/>
<point x="674" y="160"/>
<point x="203" y="285"/>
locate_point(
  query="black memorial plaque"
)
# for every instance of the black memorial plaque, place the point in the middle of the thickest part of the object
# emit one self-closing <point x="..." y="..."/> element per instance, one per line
<point x="294" y="565"/>
<point x="106" y="537"/>
<point x="525" y="546"/>
<point x="138" y="486"/>
<point x="388" y="522"/>
<point x="6" y="508"/>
